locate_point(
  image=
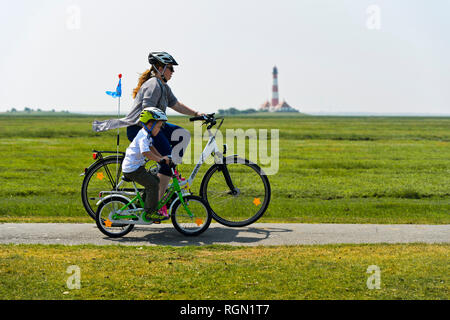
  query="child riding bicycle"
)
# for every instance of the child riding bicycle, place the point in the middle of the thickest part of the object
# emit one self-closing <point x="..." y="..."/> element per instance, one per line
<point x="140" y="149"/>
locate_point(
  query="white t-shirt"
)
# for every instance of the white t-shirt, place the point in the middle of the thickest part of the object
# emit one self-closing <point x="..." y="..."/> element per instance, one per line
<point x="133" y="156"/>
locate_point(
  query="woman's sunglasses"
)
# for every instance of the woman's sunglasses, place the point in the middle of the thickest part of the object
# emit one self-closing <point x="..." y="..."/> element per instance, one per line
<point x="170" y="68"/>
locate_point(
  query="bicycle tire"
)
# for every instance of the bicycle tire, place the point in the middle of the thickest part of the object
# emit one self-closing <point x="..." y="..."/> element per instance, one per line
<point x="215" y="212"/>
<point x="100" y="221"/>
<point x="190" y="200"/>
<point x="87" y="179"/>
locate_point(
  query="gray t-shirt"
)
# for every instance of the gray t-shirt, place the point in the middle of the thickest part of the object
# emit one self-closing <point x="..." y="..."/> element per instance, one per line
<point x="153" y="93"/>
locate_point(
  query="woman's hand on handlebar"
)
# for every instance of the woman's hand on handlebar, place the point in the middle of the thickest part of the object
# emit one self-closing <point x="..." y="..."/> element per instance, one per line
<point x="199" y="114"/>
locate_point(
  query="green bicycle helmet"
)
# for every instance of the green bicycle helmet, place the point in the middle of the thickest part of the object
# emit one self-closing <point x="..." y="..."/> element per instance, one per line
<point x="152" y="113"/>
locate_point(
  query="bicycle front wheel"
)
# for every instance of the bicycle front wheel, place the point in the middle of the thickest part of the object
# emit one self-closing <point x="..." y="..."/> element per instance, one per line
<point x="238" y="192"/>
<point x="187" y="224"/>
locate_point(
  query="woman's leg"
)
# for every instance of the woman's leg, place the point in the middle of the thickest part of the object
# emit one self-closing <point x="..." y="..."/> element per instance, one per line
<point x="163" y="184"/>
<point x="162" y="144"/>
<point x="179" y="139"/>
<point x="170" y="138"/>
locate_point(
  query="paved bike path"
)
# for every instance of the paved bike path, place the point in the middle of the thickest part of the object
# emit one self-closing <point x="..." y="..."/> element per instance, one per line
<point x="265" y="234"/>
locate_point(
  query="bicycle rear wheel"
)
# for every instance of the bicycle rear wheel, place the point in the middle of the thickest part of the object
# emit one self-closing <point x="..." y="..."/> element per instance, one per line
<point x="184" y="223"/>
<point x="238" y="192"/>
<point x="102" y="177"/>
<point x="107" y="226"/>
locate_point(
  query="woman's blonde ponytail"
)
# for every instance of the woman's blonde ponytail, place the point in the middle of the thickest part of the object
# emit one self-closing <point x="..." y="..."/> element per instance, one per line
<point x="152" y="72"/>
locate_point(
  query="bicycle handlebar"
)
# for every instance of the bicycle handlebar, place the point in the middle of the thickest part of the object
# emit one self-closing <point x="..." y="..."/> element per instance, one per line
<point x="207" y="117"/>
<point x="210" y="120"/>
<point x="196" y="118"/>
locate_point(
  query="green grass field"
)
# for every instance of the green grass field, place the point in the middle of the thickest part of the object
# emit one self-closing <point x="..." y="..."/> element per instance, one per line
<point x="332" y="169"/>
<point x="413" y="271"/>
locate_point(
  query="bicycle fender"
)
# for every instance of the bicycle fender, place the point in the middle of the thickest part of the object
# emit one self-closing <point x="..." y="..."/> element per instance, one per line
<point x="114" y="196"/>
<point x="101" y="160"/>
<point x="178" y="199"/>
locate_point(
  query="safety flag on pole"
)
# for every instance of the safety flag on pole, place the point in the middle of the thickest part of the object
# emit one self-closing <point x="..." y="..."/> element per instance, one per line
<point x="99" y="126"/>
<point x="118" y="92"/>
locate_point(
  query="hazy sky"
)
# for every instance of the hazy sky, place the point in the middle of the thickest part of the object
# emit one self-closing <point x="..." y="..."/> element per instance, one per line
<point x="378" y="56"/>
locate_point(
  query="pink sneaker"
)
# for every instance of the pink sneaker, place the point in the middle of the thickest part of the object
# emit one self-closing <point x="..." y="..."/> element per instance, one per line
<point x="163" y="211"/>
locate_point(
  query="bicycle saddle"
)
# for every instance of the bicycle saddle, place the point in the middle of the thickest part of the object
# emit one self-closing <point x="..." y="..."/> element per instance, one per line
<point x="126" y="180"/>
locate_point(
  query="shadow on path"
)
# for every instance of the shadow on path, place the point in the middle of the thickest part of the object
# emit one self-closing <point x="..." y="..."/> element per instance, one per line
<point x="214" y="235"/>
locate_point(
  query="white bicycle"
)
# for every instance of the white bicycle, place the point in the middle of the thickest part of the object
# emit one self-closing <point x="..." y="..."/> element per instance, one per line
<point x="236" y="190"/>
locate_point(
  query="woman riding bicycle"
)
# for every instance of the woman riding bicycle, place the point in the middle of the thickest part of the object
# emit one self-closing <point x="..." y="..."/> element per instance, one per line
<point x="152" y="91"/>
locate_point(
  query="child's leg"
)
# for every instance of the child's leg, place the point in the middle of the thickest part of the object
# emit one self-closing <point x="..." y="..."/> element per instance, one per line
<point x="152" y="194"/>
<point x="151" y="184"/>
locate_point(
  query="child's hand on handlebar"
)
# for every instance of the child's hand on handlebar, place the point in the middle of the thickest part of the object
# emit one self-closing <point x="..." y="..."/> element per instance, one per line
<point x="165" y="160"/>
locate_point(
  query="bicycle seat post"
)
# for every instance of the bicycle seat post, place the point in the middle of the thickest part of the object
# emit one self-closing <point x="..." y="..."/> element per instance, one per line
<point x="120" y="183"/>
<point x="135" y="188"/>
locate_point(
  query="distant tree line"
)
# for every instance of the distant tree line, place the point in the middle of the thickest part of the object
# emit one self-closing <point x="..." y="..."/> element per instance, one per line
<point x="29" y="110"/>
<point x="235" y="111"/>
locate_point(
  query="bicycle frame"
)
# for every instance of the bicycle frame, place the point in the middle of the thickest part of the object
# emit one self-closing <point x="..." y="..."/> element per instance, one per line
<point x="210" y="148"/>
<point x="98" y="157"/>
<point x="174" y="189"/>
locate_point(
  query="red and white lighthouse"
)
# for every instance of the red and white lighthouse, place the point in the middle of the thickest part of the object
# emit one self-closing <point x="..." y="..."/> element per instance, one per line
<point x="276" y="106"/>
<point x="275" y="99"/>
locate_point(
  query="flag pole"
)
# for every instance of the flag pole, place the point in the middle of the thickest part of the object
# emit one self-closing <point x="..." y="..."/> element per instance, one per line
<point x="117" y="94"/>
<point x="118" y="142"/>
<point x="118" y="133"/>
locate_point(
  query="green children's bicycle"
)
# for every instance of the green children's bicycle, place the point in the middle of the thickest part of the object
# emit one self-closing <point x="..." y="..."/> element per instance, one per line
<point x="117" y="214"/>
